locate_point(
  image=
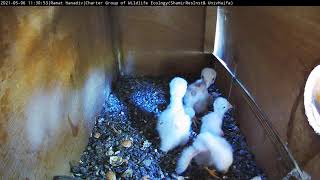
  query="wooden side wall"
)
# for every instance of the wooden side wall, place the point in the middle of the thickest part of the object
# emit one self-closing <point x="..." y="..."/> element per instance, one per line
<point x="274" y="49"/>
<point x="56" y="65"/>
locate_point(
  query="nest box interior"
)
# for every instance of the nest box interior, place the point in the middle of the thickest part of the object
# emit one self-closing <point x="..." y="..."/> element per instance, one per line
<point x="58" y="65"/>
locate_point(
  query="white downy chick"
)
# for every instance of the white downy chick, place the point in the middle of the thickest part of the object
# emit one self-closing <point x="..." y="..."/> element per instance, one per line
<point x="173" y="123"/>
<point x="207" y="150"/>
<point x="212" y="122"/>
<point x="197" y="98"/>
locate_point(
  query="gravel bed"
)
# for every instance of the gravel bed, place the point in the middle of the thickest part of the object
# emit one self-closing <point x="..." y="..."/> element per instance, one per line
<point x="125" y="145"/>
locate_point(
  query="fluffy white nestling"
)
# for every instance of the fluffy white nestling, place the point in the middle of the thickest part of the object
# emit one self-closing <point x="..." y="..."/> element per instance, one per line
<point x="173" y="123"/>
<point x="209" y="148"/>
<point x="212" y="122"/>
<point x="197" y="98"/>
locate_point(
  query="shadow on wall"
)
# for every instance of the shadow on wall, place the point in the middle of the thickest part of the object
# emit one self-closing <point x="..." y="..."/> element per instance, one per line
<point x="55" y="73"/>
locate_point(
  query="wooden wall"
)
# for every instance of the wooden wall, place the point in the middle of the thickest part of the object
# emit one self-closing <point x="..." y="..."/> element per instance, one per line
<point x="274" y="49"/>
<point x="56" y="64"/>
<point x="162" y="40"/>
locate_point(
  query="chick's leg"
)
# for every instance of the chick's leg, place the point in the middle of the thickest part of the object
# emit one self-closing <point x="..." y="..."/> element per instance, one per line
<point x="212" y="172"/>
<point x="195" y="121"/>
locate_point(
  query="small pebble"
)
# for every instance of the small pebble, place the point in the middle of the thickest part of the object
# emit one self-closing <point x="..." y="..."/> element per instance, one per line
<point x="126" y="143"/>
<point x="111" y="175"/>
<point x="146" y="144"/>
<point x="97" y="135"/>
<point x="128" y="173"/>
<point x="115" y="160"/>
<point x="109" y="152"/>
<point x="101" y="120"/>
<point x="97" y="173"/>
<point x="147" y="162"/>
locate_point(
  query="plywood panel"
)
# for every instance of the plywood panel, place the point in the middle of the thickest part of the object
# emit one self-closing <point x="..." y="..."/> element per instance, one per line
<point x="275" y="48"/>
<point x="55" y="70"/>
<point x="160" y="40"/>
<point x="312" y="167"/>
<point x="210" y="28"/>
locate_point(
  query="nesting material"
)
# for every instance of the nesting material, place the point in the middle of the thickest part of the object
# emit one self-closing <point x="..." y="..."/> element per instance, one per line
<point x="128" y="145"/>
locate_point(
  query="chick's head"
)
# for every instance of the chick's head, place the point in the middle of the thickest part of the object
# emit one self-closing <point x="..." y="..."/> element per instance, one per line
<point x="178" y="87"/>
<point x="221" y="105"/>
<point x="208" y="75"/>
